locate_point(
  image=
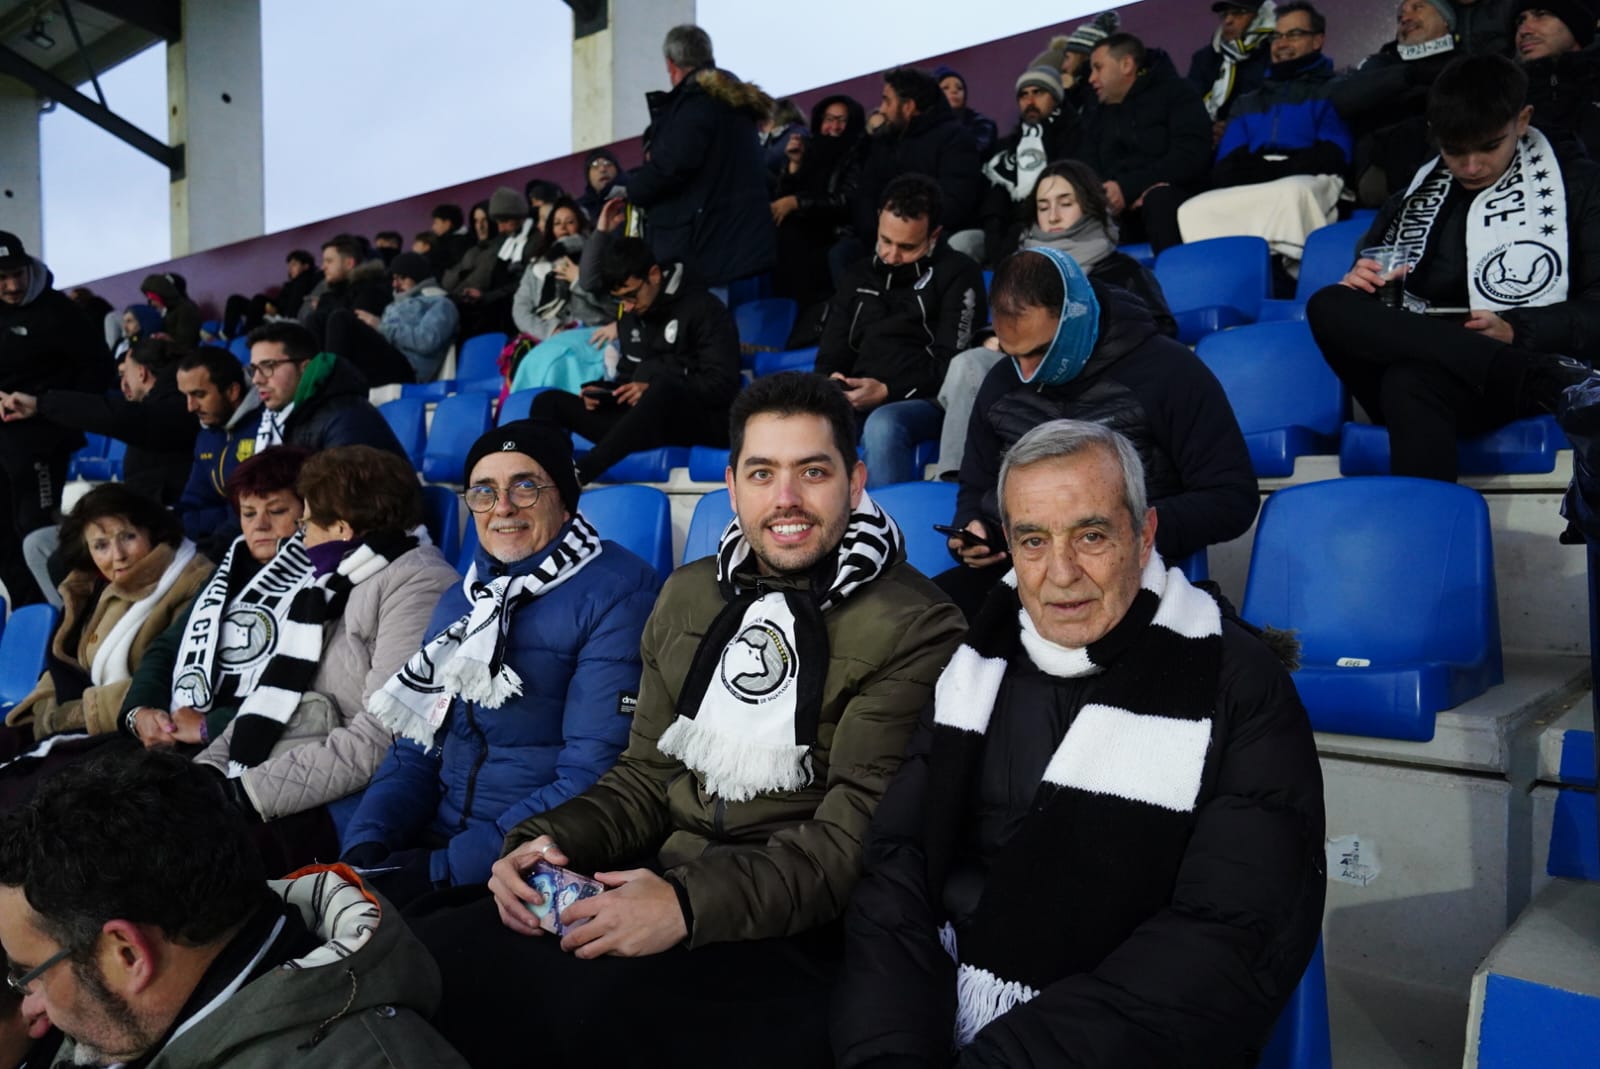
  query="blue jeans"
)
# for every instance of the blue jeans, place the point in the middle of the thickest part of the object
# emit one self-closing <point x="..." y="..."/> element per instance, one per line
<point x="891" y="434"/>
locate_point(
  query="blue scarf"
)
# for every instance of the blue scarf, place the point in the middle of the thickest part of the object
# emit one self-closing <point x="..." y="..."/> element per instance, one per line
<point x="1078" y="329"/>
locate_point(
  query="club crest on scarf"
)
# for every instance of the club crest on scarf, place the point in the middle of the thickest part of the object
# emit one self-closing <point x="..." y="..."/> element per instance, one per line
<point x="759" y="665"/>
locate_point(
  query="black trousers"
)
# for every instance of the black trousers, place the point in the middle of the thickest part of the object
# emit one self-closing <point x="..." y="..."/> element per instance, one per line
<point x="30" y="491"/>
<point x="666" y="414"/>
<point x="1156" y="221"/>
<point x="367" y="349"/>
<point x="1428" y="380"/>
<point x="512" y="999"/>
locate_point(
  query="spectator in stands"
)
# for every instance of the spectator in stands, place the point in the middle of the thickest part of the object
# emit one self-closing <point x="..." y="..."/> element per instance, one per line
<point x="775" y="131"/>
<point x="815" y="190"/>
<point x="409" y="341"/>
<point x="99" y="310"/>
<point x="679" y="369"/>
<point x="600" y="169"/>
<point x="1045" y="131"/>
<point x="1507" y="284"/>
<point x="1486" y="27"/>
<point x="178" y="952"/>
<point x="474" y="269"/>
<point x="1077" y="95"/>
<point x="540" y="307"/>
<point x="1149" y="139"/>
<point x="487" y="276"/>
<point x="46" y="342"/>
<point x="1041" y="876"/>
<point x="1235" y="62"/>
<point x="351" y="282"/>
<point x="463" y="771"/>
<point x="453" y="237"/>
<point x="1563" y="74"/>
<point x="576" y="324"/>
<point x="954" y="87"/>
<point x="228" y="411"/>
<point x="139" y="321"/>
<point x="304" y="276"/>
<point x="542" y="195"/>
<point x="387" y="244"/>
<point x="1083" y="350"/>
<point x="314" y="400"/>
<point x="1383" y="100"/>
<point x="703" y="184"/>
<point x="921" y="136"/>
<point x="894" y="325"/>
<point x="754" y="823"/>
<point x="180" y="317"/>
<point x="132" y="573"/>
<point x="1280" y="165"/>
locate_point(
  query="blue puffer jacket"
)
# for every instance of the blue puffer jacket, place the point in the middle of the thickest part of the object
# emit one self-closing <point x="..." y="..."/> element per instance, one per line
<point x="577" y="651"/>
<point x="421" y="323"/>
<point x="1290" y="116"/>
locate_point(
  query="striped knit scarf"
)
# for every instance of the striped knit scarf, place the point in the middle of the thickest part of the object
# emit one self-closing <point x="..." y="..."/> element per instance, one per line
<point x="1116" y="805"/>
<point x="747" y="713"/>
<point x="285" y="679"/>
<point x="467" y="659"/>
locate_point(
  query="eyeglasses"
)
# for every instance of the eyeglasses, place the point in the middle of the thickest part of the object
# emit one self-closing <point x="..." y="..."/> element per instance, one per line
<point x="20" y="983"/>
<point x="1290" y="35"/>
<point x="522" y="494"/>
<point x="265" y="369"/>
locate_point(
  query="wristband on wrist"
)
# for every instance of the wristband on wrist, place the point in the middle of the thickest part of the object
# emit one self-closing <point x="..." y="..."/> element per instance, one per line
<point x="205" y="731"/>
<point x="130" y="721"/>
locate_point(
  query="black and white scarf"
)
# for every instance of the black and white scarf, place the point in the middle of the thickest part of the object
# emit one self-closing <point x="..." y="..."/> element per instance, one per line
<point x="292" y="668"/>
<point x="269" y="432"/>
<point x="467" y="659"/>
<point x="1235" y="52"/>
<point x="1117" y="801"/>
<point x="1436" y="47"/>
<point x="1016" y="170"/>
<point x="230" y="640"/>
<point x="1517" y="250"/>
<point x="748" y="711"/>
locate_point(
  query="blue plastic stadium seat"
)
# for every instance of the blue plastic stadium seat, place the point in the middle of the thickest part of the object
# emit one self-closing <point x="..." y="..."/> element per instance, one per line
<point x="1329" y="252"/>
<point x="437" y="390"/>
<point x="916" y="507"/>
<point x="408" y="418"/>
<point x="107" y="467"/>
<point x="1196" y="567"/>
<point x="94" y="447"/>
<point x="645" y="466"/>
<point x="518" y="405"/>
<point x="22" y="651"/>
<point x="1140" y="251"/>
<point x="469" y="545"/>
<point x="793" y="360"/>
<point x="707" y="465"/>
<point x="1215" y="284"/>
<point x="766" y="322"/>
<point x="1287" y="400"/>
<point x="1301" y="1038"/>
<point x="988" y="281"/>
<point x="1390" y="583"/>
<point x="747" y="289"/>
<point x="1521" y="447"/>
<point x="923" y="454"/>
<point x="711" y="515"/>
<point x="441" y="511"/>
<point x="1364" y="216"/>
<point x="458" y="421"/>
<point x="240" y="347"/>
<point x="638" y="517"/>
<point x="479" y="358"/>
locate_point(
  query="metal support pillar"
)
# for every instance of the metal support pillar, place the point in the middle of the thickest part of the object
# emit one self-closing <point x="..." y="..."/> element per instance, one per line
<point x="614" y="68"/>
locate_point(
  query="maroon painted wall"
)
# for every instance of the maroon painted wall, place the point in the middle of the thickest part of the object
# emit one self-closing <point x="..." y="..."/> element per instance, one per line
<point x="1356" y="28"/>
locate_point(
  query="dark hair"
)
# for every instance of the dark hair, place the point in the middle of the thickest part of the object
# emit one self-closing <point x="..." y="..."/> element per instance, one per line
<point x="1086" y="187"/>
<point x="1026" y="280"/>
<point x="914" y="196"/>
<point x="793" y="393"/>
<point x="623" y="259"/>
<point x="157" y="354"/>
<point x="144" y="836"/>
<point x="1319" y="21"/>
<point x="347" y="245"/>
<point x="388" y="235"/>
<point x="482" y="206"/>
<point x="266" y="473"/>
<point x="543" y="189"/>
<point x="427" y="237"/>
<point x="571" y="205"/>
<point x="223" y="367"/>
<point x="299" y="344"/>
<point x="917" y="86"/>
<point x="300" y="256"/>
<point x="1126" y="44"/>
<point x="115" y="499"/>
<point x="1473" y="98"/>
<point x="450" y="213"/>
<point x="370" y="489"/>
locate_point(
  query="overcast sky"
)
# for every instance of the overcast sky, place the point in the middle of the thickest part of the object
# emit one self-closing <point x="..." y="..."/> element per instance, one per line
<point x="369" y="101"/>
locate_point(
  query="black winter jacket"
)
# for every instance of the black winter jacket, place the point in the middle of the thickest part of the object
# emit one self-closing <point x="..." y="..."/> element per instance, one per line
<point x="1159" y="133"/>
<point x="825" y="184"/>
<point x="1148" y="387"/>
<point x="1197" y="983"/>
<point x="688" y="336"/>
<point x="1206" y="64"/>
<point x="180" y="317"/>
<point x="1383" y="100"/>
<point x="340" y="414"/>
<point x="159" y="431"/>
<point x="1003" y="216"/>
<point x="48" y="343"/>
<point x="703" y="183"/>
<point x="934" y="144"/>
<point x="366" y="288"/>
<point x="1487" y="26"/>
<point x="901" y="325"/>
<point x="1563" y="90"/>
<point x="294" y="290"/>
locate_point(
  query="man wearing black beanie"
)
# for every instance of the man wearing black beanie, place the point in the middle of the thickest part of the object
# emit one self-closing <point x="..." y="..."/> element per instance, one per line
<point x="1552" y="42"/>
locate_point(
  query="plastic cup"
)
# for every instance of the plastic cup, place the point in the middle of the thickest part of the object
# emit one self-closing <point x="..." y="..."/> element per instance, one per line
<point x="1393" y="263"/>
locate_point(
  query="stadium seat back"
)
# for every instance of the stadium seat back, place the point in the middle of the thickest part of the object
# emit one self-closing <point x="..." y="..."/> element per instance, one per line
<point x="23" y="646"/>
<point x="766" y="322"/>
<point x="240" y="347"/>
<point x="458" y="421"/>
<point x="711" y="515"/>
<point x="1301" y="1038"/>
<point x="1329" y="252"/>
<point x="638" y="517"/>
<point x="1287" y="400"/>
<point x="518" y="405"/>
<point x="480" y="357"/>
<point x="916" y="507"/>
<point x="1214" y="284"/>
<point x="792" y="360"/>
<point x="408" y="418"/>
<point x="441" y="511"/>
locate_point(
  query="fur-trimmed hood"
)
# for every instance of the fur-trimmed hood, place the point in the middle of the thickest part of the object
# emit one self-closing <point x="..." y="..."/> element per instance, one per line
<point x="739" y="95"/>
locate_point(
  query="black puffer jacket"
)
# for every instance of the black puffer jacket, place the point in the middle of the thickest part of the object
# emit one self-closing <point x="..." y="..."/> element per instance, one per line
<point x="366" y="288"/>
<point x="180" y="317"/>
<point x="1159" y="133"/>
<point x="1563" y="90"/>
<point x="48" y="343"/>
<point x="1383" y="100"/>
<point x="901" y="325"/>
<point x="687" y="336"/>
<point x="1151" y="389"/>
<point x="825" y="183"/>
<point x="340" y="414"/>
<point x="159" y="431"/>
<point x="1206" y="64"/>
<point x="934" y="144"/>
<point x="703" y="183"/>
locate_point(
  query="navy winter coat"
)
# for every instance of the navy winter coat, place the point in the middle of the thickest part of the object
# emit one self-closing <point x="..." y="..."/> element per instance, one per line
<point x="577" y="651"/>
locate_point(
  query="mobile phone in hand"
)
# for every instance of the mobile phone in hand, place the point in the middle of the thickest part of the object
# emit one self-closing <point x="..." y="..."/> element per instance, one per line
<point x="560" y="888"/>
<point x="968" y="539"/>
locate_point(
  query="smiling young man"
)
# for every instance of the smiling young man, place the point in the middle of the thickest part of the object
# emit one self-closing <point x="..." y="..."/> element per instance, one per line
<point x="1500" y="309"/>
<point x="782" y="678"/>
<point x="1107" y="837"/>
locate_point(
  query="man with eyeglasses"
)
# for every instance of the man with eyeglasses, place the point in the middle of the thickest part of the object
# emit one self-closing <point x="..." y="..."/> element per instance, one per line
<point x="310" y="399"/>
<point x="137" y="919"/>
<point x="521" y="697"/>
<point x="1280" y="165"/>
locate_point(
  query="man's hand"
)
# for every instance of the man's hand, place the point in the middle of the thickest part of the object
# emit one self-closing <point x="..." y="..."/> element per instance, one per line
<point x="189" y="726"/>
<point x="782" y="207"/>
<point x="604" y="334"/>
<point x="864" y="394"/>
<point x="630" y="392"/>
<point x="795" y="150"/>
<point x="1216" y="133"/>
<point x="565" y="270"/>
<point x="15" y="406"/>
<point x="508" y="882"/>
<point x="980" y="556"/>
<point x="367" y="317"/>
<point x="471" y="294"/>
<point x="1488" y="323"/>
<point x="154" y="728"/>
<point x="639" y="915"/>
<point x="1366" y="276"/>
<point x="612" y="215"/>
<point x="1114" y="199"/>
